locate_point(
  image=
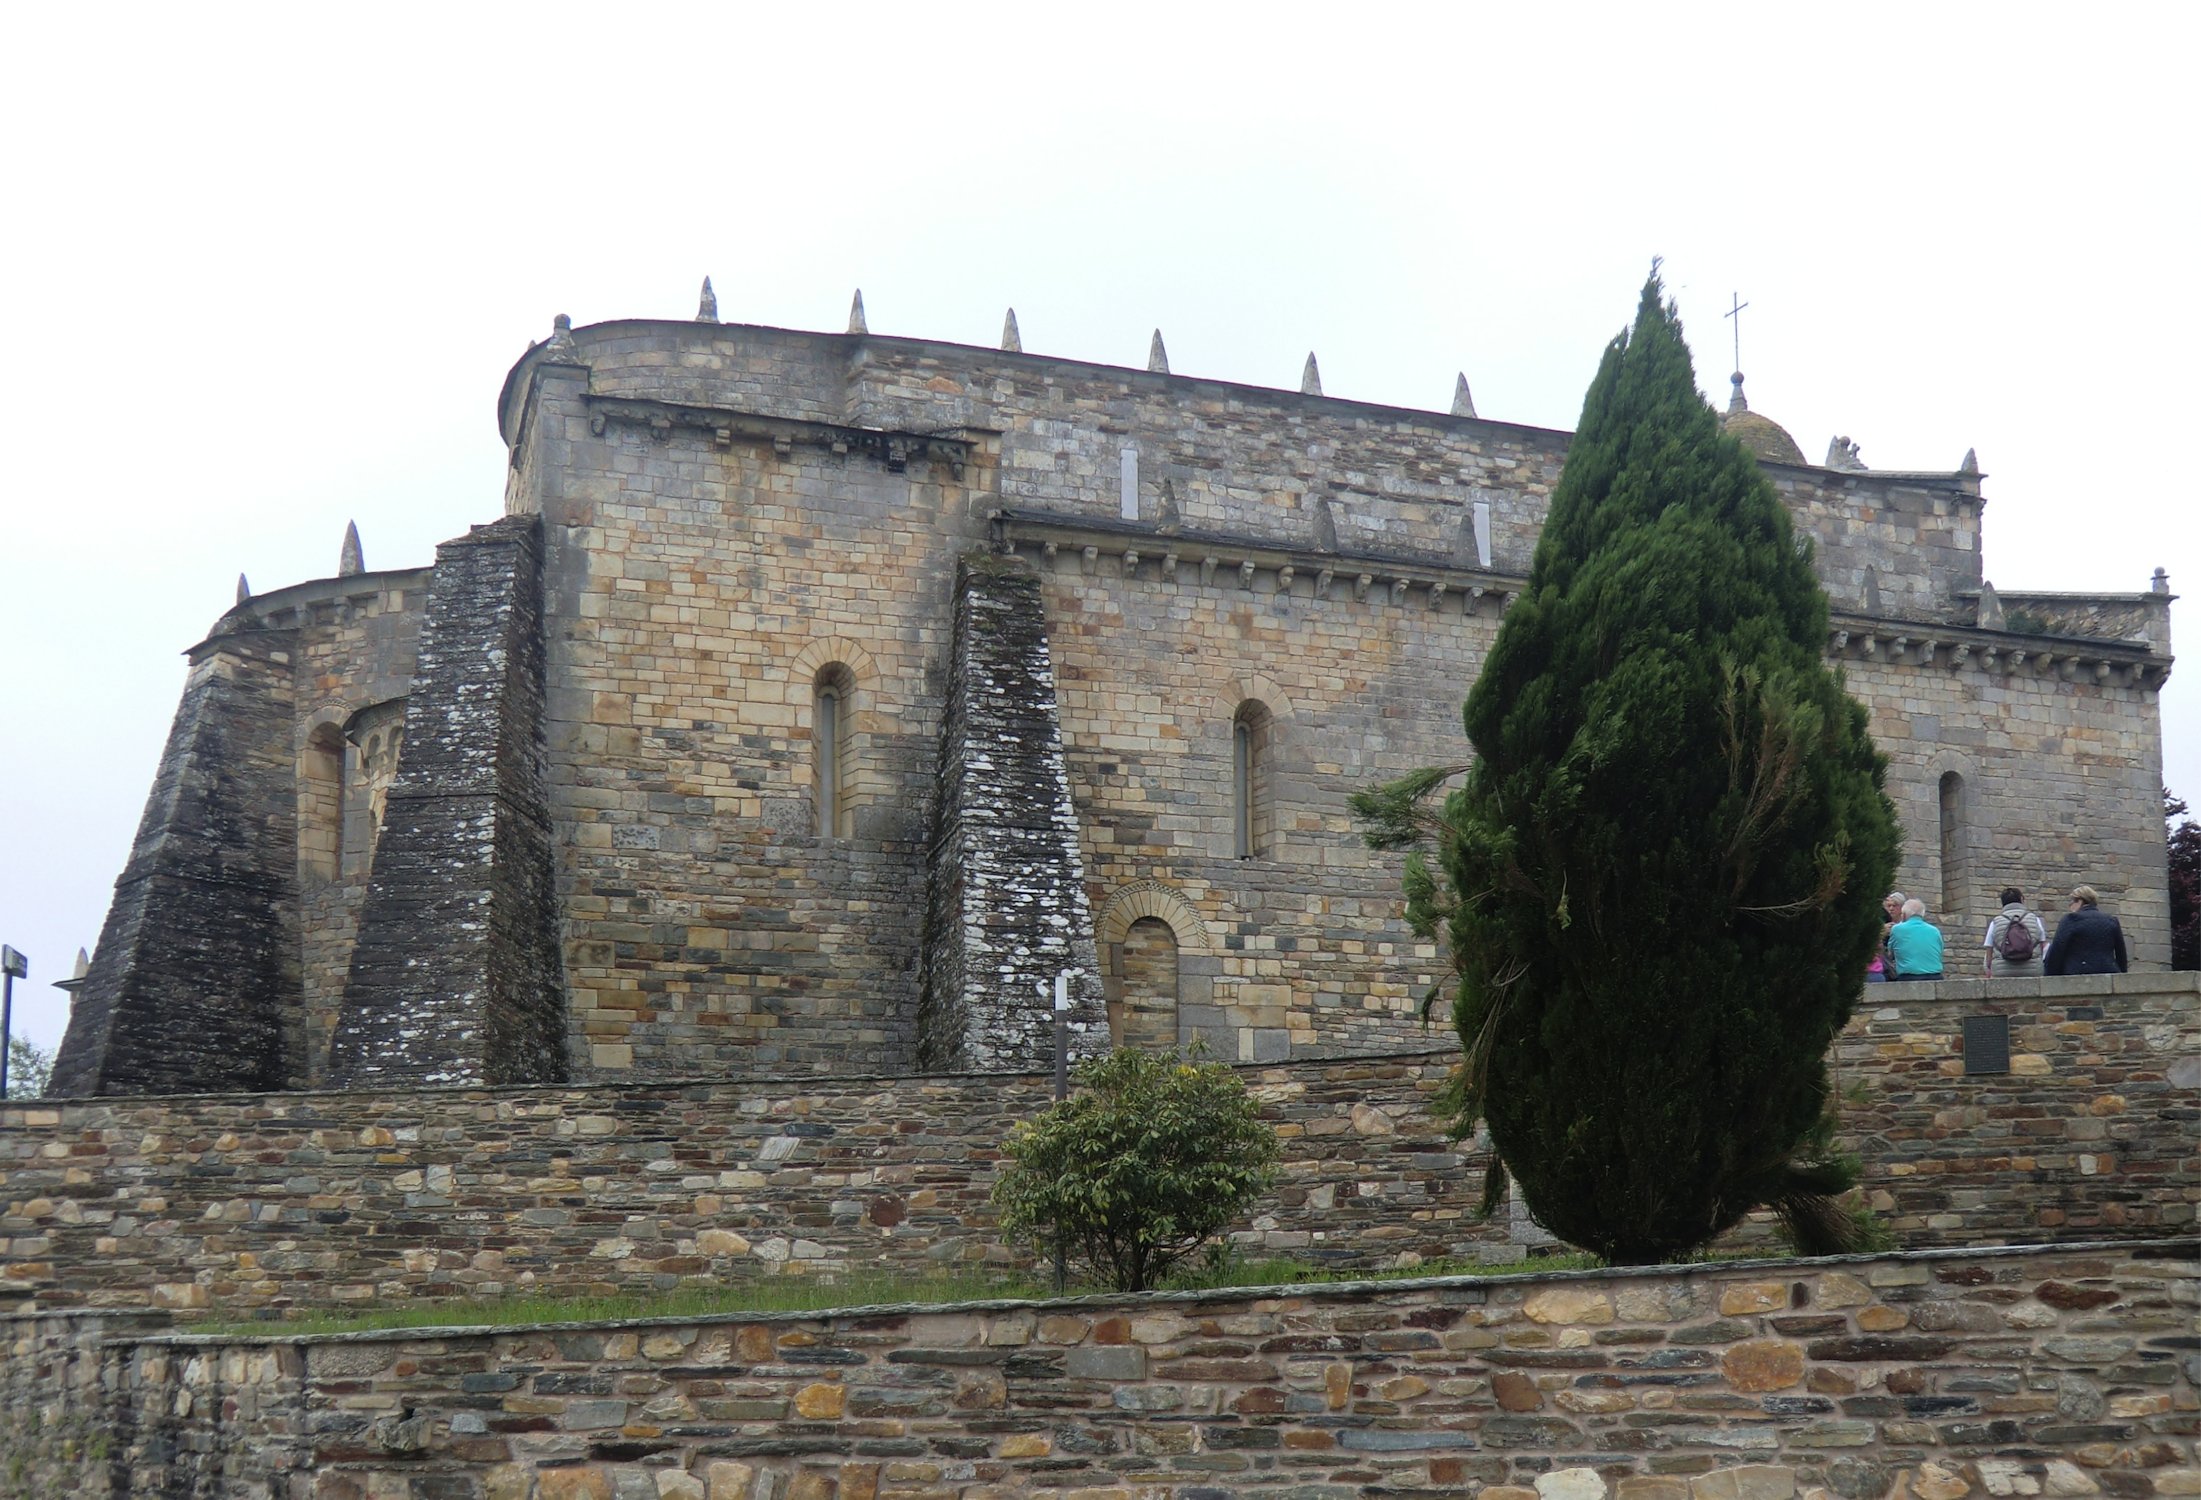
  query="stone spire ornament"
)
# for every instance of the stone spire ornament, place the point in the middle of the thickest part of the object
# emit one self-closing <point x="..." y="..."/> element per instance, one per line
<point x="561" y="334"/>
<point x="1325" y="527"/>
<point x="1167" y="518"/>
<point x="1842" y="455"/>
<point x="1012" y="342"/>
<point x="1971" y="462"/>
<point x="1735" y="402"/>
<point x="1463" y="401"/>
<point x="2160" y="583"/>
<point x="351" y="560"/>
<point x="706" y="311"/>
<point x="1310" y="378"/>
<point x="856" y="323"/>
<point x="1157" y="358"/>
<point x="1990" y="616"/>
<point x="244" y="589"/>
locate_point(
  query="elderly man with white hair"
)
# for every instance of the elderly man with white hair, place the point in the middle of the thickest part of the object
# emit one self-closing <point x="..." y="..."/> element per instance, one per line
<point x="1915" y="944"/>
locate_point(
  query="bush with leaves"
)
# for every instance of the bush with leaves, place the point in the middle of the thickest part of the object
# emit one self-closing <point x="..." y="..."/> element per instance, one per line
<point x="1659" y="880"/>
<point x="30" y="1069"/>
<point x="1154" y="1154"/>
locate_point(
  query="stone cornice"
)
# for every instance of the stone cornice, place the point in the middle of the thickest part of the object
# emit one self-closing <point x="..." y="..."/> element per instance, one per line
<point x="725" y="427"/>
<point x="1267" y="565"/>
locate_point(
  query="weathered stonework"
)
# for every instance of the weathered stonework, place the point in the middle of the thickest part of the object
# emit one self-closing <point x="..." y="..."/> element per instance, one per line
<point x="736" y="520"/>
<point x="1006" y="914"/>
<point x="258" y="1202"/>
<point x="454" y="978"/>
<point x="195" y="982"/>
<point x="2067" y="1372"/>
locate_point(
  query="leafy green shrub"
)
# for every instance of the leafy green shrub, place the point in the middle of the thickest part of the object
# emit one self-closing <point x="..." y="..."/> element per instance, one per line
<point x="1151" y="1156"/>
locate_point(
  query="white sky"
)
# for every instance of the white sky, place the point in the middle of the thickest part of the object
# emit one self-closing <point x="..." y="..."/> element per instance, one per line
<point x="263" y="272"/>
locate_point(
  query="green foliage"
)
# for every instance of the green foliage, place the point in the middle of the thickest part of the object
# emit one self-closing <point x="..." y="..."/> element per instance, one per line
<point x="1155" y="1153"/>
<point x="1658" y="883"/>
<point x="30" y="1069"/>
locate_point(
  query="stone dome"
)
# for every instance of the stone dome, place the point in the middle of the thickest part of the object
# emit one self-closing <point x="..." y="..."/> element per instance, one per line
<point x="1763" y="436"/>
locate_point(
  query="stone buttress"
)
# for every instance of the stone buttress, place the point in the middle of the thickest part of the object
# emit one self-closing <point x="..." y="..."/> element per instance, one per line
<point x="1006" y="909"/>
<point x="455" y="977"/>
<point x="194" y="986"/>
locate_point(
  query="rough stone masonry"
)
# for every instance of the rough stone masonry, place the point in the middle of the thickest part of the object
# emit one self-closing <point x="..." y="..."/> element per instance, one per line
<point x="679" y="798"/>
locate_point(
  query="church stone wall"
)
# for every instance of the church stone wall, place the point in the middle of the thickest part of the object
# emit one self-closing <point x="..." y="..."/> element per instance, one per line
<point x="2059" y="783"/>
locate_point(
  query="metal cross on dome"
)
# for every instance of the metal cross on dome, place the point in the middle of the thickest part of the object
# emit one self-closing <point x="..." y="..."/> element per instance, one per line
<point x="1735" y="312"/>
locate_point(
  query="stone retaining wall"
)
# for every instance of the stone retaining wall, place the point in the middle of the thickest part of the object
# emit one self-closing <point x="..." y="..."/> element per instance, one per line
<point x="2066" y="1372"/>
<point x="267" y="1201"/>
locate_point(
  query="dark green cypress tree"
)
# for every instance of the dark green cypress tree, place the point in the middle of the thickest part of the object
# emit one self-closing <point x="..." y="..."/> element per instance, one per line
<point x="1661" y="874"/>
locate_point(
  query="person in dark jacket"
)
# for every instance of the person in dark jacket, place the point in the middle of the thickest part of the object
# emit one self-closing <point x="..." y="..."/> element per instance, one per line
<point x="2088" y="940"/>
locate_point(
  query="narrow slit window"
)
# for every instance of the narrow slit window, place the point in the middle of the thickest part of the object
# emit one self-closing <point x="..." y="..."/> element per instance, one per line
<point x="830" y="746"/>
<point x="1252" y="819"/>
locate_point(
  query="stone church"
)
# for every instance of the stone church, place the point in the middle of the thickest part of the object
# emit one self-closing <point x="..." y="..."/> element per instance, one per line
<point x="819" y="699"/>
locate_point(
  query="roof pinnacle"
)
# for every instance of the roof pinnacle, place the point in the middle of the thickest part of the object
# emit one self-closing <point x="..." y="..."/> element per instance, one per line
<point x="707" y="309"/>
<point x="856" y="323"/>
<point x="1463" y="402"/>
<point x="1735" y="402"/>
<point x="244" y="589"/>
<point x="1157" y="357"/>
<point x="1012" y="341"/>
<point x="350" y="560"/>
<point x="1310" y="378"/>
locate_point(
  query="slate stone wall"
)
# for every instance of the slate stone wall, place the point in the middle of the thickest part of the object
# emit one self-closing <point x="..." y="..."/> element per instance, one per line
<point x="1006" y="908"/>
<point x="195" y="981"/>
<point x="312" y="1199"/>
<point x="2068" y="1372"/>
<point x="454" y="977"/>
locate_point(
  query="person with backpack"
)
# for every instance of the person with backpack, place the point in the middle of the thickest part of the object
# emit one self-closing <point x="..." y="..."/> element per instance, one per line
<point x="2088" y="940"/>
<point x="2015" y="939"/>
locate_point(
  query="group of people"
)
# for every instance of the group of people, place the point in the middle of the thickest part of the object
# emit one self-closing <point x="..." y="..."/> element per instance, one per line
<point x="2088" y="940"/>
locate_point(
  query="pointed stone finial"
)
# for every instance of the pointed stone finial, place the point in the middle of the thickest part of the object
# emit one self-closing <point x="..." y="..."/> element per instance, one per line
<point x="1463" y="403"/>
<point x="350" y="560"/>
<point x="1325" y="527"/>
<point x="1872" y="590"/>
<point x="1990" y="615"/>
<point x="2161" y="582"/>
<point x="1157" y="358"/>
<point x="1736" y="403"/>
<point x="561" y="334"/>
<point x="1012" y="341"/>
<point x="1167" y="518"/>
<point x="856" y="322"/>
<point x="244" y="589"/>
<point x="1310" y="378"/>
<point x="1971" y="462"/>
<point x="706" y="311"/>
<point x="83" y="965"/>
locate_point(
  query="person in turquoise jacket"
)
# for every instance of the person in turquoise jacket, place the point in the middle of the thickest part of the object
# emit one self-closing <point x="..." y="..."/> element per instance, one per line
<point x="1915" y="944"/>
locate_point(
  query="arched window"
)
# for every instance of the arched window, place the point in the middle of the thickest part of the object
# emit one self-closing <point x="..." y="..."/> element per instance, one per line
<point x="831" y="771"/>
<point x="1253" y="831"/>
<point x="1955" y="877"/>
<point x="320" y="805"/>
<point x="1146" y="968"/>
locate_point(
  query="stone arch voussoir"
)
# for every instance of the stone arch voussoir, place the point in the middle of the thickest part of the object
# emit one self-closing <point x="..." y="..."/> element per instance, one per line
<point x="1151" y="898"/>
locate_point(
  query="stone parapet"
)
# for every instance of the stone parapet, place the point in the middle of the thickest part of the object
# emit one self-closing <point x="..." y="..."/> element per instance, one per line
<point x="2062" y="1372"/>
<point x="270" y="1201"/>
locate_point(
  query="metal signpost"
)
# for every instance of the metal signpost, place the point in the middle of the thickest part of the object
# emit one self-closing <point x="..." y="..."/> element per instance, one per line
<point x="13" y="966"/>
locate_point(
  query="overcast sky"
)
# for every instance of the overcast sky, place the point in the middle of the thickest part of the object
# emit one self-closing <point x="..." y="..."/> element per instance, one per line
<point x="263" y="275"/>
